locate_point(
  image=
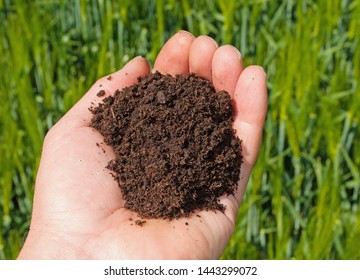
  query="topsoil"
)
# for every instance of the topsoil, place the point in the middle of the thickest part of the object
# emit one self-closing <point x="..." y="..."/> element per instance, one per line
<point x="176" y="150"/>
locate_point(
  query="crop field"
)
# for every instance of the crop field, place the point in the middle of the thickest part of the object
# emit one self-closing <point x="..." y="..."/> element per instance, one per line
<point x="303" y="198"/>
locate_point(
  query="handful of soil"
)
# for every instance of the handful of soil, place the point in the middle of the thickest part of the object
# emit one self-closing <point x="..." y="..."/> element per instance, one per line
<point x="176" y="150"/>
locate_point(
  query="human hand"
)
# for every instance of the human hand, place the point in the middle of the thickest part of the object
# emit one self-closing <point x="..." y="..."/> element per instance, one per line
<point x="78" y="210"/>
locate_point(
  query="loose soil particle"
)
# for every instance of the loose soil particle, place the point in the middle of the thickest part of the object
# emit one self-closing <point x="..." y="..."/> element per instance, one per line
<point x="140" y="222"/>
<point x="176" y="150"/>
<point x="101" y="93"/>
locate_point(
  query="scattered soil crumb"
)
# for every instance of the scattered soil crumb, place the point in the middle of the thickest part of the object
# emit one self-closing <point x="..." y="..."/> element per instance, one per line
<point x="140" y="223"/>
<point x="101" y="93"/>
<point x="175" y="148"/>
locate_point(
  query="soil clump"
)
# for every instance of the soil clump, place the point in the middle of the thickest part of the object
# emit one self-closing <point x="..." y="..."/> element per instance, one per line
<point x="176" y="150"/>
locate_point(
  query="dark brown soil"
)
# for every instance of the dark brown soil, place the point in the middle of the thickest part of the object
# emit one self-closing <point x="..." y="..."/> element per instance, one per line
<point x="175" y="147"/>
<point x="101" y="93"/>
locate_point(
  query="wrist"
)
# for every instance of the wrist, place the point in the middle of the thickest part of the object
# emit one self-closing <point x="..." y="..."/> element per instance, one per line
<point x="46" y="246"/>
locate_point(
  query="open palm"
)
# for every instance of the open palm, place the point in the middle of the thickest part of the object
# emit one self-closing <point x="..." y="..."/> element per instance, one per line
<point x="78" y="208"/>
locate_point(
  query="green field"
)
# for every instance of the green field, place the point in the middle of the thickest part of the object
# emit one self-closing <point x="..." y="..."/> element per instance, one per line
<point x="304" y="194"/>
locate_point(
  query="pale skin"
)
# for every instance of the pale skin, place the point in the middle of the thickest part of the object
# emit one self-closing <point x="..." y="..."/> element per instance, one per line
<point x="78" y="210"/>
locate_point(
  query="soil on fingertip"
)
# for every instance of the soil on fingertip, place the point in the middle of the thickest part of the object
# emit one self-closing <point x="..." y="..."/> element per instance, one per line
<point x="176" y="151"/>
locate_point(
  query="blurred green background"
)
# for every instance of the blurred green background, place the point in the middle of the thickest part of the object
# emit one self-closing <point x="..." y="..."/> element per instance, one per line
<point x="303" y="198"/>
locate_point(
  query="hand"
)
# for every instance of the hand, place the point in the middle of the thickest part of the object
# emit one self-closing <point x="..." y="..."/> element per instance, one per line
<point x="78" y="210"/>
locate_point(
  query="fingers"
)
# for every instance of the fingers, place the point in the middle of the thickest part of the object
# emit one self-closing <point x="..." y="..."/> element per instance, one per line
<point x="79" y="115"/>
<point x="251" y="104"/>
<point x="250" y="101"/>
<point x="201" y="55"/>
<point x="223" y="66"/>
<point x="252" y="88"/>
<point x="226" y="68"/>
<point x="174" y="56"/>
<point x="183" y="54"/>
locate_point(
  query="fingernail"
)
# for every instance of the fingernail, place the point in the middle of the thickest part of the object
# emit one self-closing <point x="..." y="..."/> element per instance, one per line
<point x="263" y="71"/>
<point x="135" y="58"/>
<point x="210" y="39"/>
<point x="186" y="32"/>
<point x="237" y="51"/>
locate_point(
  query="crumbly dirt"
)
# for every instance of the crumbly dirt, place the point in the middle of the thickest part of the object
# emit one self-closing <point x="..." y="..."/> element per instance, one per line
<point x="176" y="151"/>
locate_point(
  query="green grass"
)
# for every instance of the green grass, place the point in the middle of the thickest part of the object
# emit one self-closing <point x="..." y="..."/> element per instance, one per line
<point x="303" y="197"/>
